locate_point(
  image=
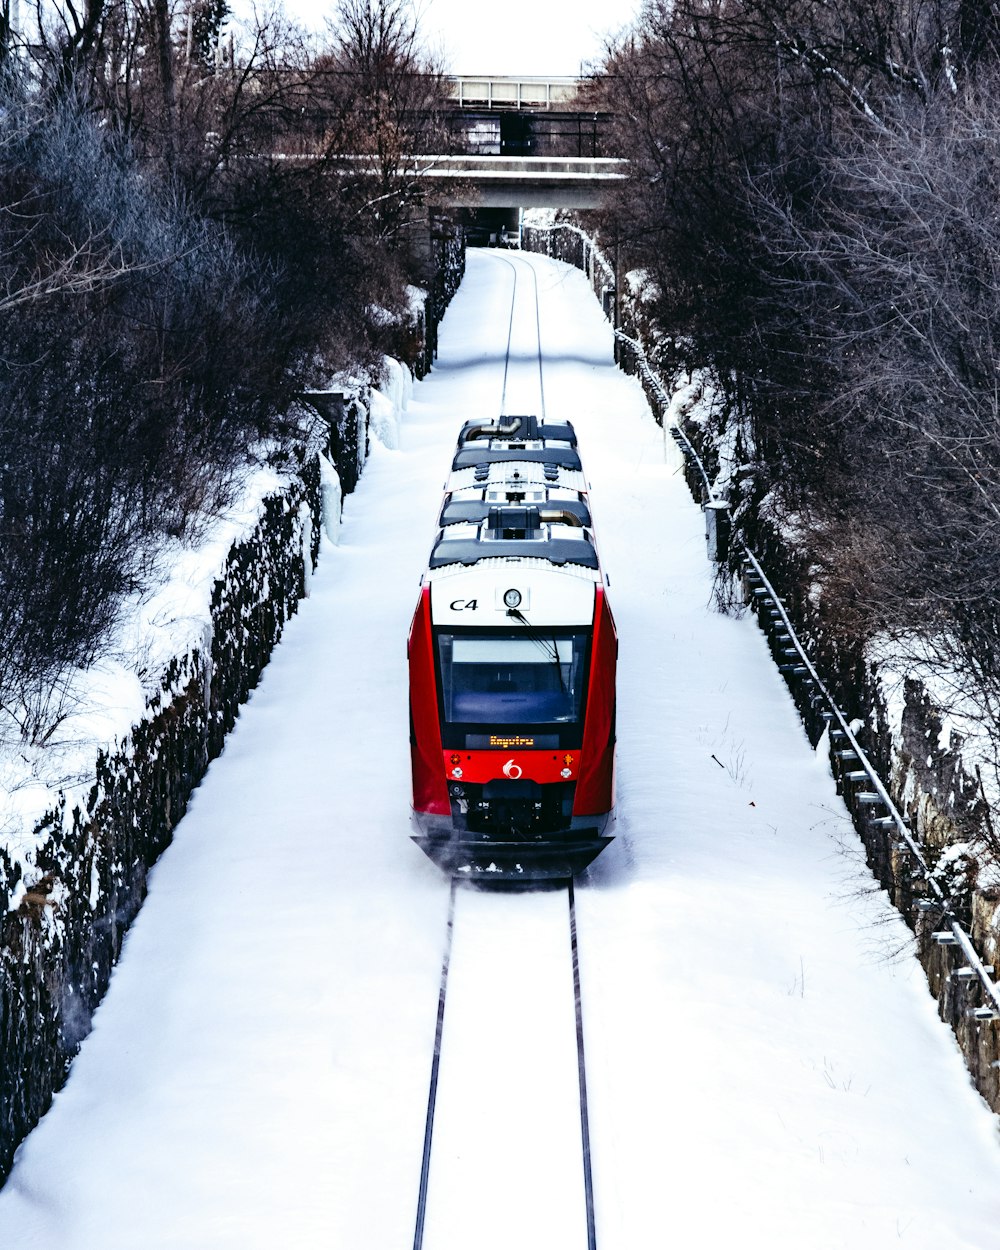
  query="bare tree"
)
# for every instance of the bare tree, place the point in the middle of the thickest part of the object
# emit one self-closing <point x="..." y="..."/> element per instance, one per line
<point x="185" y="240"/>
<point x="142" y="356"/>
<point x="813" y="193"/>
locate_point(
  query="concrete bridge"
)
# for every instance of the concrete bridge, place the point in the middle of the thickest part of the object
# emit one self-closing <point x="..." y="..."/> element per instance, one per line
<point x="526" y="143"/>
<point x="516" y="181"/>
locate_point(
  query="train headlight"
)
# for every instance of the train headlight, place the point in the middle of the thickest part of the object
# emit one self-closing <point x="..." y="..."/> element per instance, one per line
<point x="512" y="598"/>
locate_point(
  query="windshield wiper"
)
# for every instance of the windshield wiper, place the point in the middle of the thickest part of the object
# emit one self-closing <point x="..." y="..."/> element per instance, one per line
<point x="549" y="645"/>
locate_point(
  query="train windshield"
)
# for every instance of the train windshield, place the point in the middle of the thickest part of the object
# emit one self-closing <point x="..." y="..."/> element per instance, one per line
<point x="521" y="678"/>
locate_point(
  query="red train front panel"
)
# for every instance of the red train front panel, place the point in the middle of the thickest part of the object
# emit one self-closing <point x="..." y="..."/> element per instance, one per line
<point x="512" y="718"/>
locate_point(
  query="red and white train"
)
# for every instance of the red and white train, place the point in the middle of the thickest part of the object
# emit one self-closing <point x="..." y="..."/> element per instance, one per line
<point x="512" y="655"/>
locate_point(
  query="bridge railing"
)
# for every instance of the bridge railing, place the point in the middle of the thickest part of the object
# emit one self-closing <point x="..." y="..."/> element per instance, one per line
<point x="523" y="133"/>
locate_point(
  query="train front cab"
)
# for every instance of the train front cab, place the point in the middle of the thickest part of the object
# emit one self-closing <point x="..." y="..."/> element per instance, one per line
<point x="512" y="739"/>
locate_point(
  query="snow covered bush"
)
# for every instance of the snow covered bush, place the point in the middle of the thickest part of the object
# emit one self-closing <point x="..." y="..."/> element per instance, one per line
<point x="139" y="373"/>
<point x="82" y="821"/>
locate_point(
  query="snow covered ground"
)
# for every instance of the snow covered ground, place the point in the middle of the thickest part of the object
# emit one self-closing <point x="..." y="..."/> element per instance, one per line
<point x="765" y="1067"/>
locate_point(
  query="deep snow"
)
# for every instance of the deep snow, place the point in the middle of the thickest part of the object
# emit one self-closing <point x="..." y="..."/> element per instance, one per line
<point x="765" y="1065"/>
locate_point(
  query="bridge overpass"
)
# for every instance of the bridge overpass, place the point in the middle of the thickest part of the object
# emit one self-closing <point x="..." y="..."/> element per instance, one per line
<point x="516" y="181"/>
<point x="521" y="143"/>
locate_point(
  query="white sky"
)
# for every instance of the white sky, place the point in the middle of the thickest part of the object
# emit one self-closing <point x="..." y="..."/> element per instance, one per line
<point x="516" y="37"/>
<point x="525" y="36"/>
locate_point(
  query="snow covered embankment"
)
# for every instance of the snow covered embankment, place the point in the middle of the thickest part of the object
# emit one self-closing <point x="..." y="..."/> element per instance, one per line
<point x="74" y="854"/>
<point x="929" y="766"/>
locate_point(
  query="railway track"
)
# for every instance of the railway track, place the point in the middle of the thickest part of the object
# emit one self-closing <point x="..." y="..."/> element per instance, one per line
<point x="509" y="1012"/>
<point x="533" y="373"/>
<point x="506" y="1156"/>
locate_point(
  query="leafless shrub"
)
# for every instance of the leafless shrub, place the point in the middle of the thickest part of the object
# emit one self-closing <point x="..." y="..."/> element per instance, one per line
<point x="130" y="390"/>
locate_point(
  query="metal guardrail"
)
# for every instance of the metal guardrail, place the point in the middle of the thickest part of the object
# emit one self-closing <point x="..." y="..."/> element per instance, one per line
<point x="956" y="935"/>
<point x="595" y="257"/>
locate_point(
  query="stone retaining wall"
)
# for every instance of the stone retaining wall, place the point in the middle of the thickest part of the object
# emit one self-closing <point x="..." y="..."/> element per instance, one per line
<point x="58" y="948"/>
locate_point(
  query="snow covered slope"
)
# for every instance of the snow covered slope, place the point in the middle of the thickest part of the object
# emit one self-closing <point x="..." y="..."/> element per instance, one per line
<point x="766" y="1067"/>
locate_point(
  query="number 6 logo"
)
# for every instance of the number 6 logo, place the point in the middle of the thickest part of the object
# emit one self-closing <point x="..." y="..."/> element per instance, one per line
<point x="510" y="769"/>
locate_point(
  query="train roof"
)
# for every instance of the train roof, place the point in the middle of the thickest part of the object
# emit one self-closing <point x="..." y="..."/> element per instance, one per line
<point x="556" y="535"/>
<point x="513" y="476"/>
<point x="516" y="493"/>
<point x="521" y="439"/>
<point x="517" y="429"/>
<point x="561" y="456"/>
<point x="456" y="510"/>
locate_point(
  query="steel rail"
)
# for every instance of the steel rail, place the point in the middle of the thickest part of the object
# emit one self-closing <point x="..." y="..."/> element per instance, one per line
<point x="588" y="1177"/>
<point x="425" y="1163"/>
<point x="538" y="338"/>
<point x="581" y="1065"/>
<point x="510" y="333"/>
